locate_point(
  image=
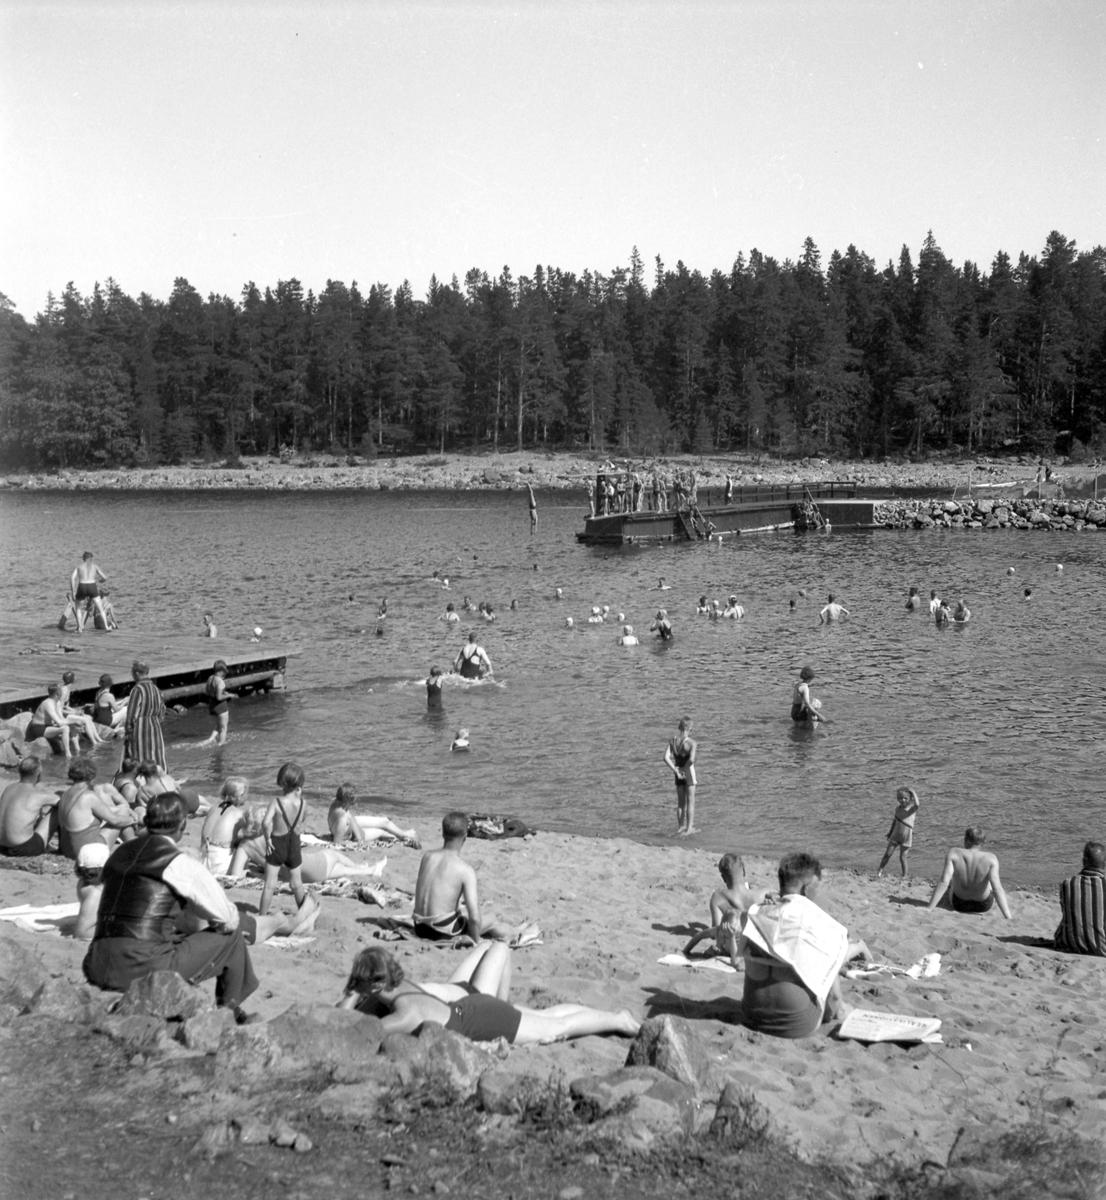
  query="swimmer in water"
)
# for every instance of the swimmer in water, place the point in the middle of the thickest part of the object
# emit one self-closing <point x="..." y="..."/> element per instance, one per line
<point x="934" y="603"/>
<point x="913" y="601"/>
<point x="450" y="615"/>
<point x="734" y="611"/>
<point x="434" y="683"/>
<point x="703" y="606"/>
<point x="569" y="622"/>
<point x="832" y="612"/>
<point x="627" y="638"/>
<point x="472" y="661"/>
<point x="256" y="634"/>
<point x="558" y="594"/>
<point x="662" y="625"/>
<point x="209" y="626"/>
<point x="596" y="617"/>
<point x="1028" y="594"/>
<point x="460" y="740"/>
<point x="514" y="606"/>
<point x="941" y="616"/>
<point x="468" y="605"/>
<point x="382" y="611"/>
<point x="662" y="586"/>
<point x="803" y="705"/>
<point x="963" y="614"/>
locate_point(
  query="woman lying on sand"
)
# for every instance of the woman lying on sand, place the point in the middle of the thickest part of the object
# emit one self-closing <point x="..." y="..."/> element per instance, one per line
<point x="318" y="865"/>
<point x="472" y="1003"/>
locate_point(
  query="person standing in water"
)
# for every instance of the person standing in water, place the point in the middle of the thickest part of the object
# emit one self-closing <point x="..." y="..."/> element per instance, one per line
<point x="680" y="758"/>
<point x="803" y="706"/>
<point x="218" y="702"/>
<point x="434" y="683"/>
<point x="85" y="586"/>
<point x="472" y="661"/>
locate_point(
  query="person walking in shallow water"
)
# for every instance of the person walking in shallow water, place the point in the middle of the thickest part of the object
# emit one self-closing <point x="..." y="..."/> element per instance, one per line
<point x="533" y="510"/>
<point x="680" y="758"/>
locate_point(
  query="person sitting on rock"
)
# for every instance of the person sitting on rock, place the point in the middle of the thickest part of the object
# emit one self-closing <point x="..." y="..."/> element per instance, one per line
<point x="49" y="722"/>
<point x="1082" y="928"/>
<point x="149" y="885"/>
<point x="472" y="1002"/>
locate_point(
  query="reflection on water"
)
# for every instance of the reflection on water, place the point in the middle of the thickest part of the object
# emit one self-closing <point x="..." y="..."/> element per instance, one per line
<point x="1000" y="722"/>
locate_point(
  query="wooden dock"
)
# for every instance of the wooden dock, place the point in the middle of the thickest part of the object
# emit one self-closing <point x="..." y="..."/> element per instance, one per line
<point x="31" y="659"/>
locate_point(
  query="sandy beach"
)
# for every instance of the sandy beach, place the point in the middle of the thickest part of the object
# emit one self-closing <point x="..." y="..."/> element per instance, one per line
<point x="1022" y="1024"/>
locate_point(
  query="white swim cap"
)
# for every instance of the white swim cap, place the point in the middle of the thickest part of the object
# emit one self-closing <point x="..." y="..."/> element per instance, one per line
<point x="816" y="703"/>
<point x="257" y="631"/>
<point x="92" y="856"/>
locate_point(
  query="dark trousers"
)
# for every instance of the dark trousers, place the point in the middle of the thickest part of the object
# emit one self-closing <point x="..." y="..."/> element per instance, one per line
<point x="114" y="963"/>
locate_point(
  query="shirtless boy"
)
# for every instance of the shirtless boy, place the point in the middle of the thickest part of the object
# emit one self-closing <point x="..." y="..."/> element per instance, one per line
<point x="832" y="612"/>
<point x="973" y="875"/>
<point x="85" y="585"/>
<point x="733" y="899"/>
<point x="446" y="901"/>
<point x="28" y="813"/>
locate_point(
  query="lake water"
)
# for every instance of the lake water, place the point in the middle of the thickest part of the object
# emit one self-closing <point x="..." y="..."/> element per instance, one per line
<point x="1000" y="722"/>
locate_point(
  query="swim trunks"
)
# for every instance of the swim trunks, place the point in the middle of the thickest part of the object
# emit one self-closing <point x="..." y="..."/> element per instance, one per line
<point x="31" y="848"/>
<point x="961" y="905"/>
<point x="286" y="851"/>
<point x="215" y="707"/>
<point x="87" y="591"/>
<point x="482" y="1018"/>
<point x="441" y="929"/>
<point x="35" y="730"/>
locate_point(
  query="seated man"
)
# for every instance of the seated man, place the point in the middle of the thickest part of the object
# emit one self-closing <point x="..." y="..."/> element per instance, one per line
<point x="149" y="885"/>
<point x="444" y="881"/>
<point x="973" y="874"/>
<point x="49" y="722"/>
<point x="1082" y="928"/>
<point x="28" y="813"/>
<point x="793" y="951"/>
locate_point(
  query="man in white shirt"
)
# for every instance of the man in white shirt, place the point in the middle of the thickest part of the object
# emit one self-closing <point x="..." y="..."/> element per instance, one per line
<point x="151" y="889"/>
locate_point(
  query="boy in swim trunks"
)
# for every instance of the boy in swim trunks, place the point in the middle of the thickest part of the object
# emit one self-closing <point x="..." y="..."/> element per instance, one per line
<point x="901" y="834"/>
<point x="281" y="825"/>
<point x="732" y="900"/>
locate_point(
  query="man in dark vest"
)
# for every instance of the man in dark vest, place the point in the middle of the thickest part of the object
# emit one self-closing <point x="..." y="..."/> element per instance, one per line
<point x="153" y="893"/>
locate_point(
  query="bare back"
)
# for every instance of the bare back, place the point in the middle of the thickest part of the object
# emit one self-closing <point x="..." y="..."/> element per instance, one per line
<point x="971" y="870"/>
<point x="20" y="805"/>
<point x="444" y="878"/>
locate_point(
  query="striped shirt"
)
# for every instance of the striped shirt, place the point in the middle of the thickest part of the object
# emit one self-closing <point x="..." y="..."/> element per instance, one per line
<point x="1082" y="928"/>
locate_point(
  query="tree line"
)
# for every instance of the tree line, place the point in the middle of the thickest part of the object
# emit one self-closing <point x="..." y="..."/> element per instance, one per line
<point x="790" y="358"/>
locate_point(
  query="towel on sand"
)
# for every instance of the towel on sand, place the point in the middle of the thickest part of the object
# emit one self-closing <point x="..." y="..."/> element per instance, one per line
<point x="797" y="932"/>
<point x="48" y="918"/>
<point x="707" y="964"/>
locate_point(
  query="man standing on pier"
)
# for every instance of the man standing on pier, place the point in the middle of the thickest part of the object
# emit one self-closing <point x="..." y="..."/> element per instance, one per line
<point x="85" y="585"/>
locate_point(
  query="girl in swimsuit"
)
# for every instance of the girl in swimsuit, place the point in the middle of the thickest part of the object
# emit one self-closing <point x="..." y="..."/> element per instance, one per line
<point x="680" y="757"/>
<point x="218" y="703"/>
<point x="802" y="705"/>
<point x="473" y="1002"/>
<point x="901" y="834"/>
<point x="223" y="825"/>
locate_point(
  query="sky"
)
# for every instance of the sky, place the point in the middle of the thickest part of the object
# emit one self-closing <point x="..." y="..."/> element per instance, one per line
<point x="381" y="142"/>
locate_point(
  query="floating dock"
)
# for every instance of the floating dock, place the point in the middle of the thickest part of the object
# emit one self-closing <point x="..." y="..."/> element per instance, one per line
<point x="32" y="659"/>
<point x="754" y="509"/>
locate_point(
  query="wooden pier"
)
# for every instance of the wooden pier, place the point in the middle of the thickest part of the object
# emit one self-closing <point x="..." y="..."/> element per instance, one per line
<point x="31" y="659"/>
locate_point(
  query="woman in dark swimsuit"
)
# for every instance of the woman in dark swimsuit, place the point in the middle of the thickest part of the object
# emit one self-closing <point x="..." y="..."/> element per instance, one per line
<point x="473" y="1002"/>
<point x="680" y="757"/>
<point x="218" y="702"/>
<point x="472" y="661"/>
<point x="108" y="711"/>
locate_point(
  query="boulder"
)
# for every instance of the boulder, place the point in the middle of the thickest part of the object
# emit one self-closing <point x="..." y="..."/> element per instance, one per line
<point x="673" y="1046"/>
<point x="1038" y="518"/>
<point x="163" y="994"/>
<point x="58" y="998"/>
<point x="140" y="1031"/>
<point x="354" y="1102"/>
<point x="19" y="722"/>
<point x="21" y="974"/>
<point x="323" y="1036"/>
<point x="985" y="507"/>
<point x="205" y="1030"/>
<point x="457" y="1060"/>
<point x="1002" y="515"/>
<point x="10" y="751"/>
<point x="658" y="1103"/>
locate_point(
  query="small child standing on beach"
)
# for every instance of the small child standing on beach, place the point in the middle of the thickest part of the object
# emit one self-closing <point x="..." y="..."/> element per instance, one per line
<point x="281" y="825"/>
<point x="901" y="833"/>
<point x="729" y="903"/>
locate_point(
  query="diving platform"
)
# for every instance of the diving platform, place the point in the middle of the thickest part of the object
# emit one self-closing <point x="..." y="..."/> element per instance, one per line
<point x="31" y="659"/>
<point x="753" y="509"/>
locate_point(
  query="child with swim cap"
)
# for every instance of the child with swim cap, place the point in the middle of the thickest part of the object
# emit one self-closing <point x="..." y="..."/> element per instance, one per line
<point x="627" y="638"/>
<point x="460" y="740"/>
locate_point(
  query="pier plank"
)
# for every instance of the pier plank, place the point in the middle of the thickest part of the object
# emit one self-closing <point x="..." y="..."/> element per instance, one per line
<point x="32" y="658"/>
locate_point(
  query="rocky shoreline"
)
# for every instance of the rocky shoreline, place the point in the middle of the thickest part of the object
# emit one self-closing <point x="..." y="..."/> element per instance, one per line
<point x="543" y="470"/>
<point x="1055" y="515"/>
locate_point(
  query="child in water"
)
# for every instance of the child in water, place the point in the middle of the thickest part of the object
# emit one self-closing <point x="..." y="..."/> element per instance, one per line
<point x="460" y="740"/>
<point x="901" y="834"/>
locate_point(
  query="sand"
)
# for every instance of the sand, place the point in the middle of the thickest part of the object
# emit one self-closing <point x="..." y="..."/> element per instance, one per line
<point x="1022" y="1024"/>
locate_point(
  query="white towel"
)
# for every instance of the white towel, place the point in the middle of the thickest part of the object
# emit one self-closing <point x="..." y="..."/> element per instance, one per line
<point x="47" y="918"/>
<point x="707" y="964"/>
